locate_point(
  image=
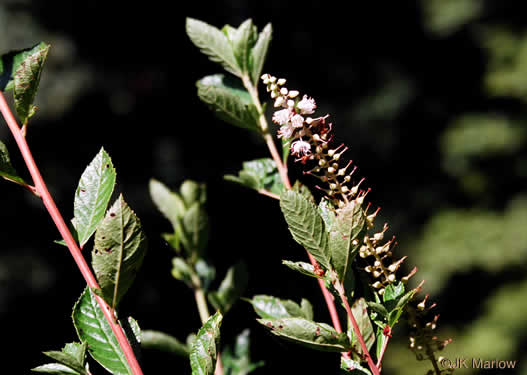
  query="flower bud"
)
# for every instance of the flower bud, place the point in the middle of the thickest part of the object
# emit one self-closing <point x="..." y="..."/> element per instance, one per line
<point x="293" y="94"/>
<point x="272" y="79"/>
<point x="281" y="81"/>
<point x="283" y="91"/>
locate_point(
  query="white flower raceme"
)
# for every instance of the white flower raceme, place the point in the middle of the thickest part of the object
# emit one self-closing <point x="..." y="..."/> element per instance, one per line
<point x="300" y="148"/>
<point x="297" y="121"/>
<point x="281" y="117"/>
<point x="307" y="105"/>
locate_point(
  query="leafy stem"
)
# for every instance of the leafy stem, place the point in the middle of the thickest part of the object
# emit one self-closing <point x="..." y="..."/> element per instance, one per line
<point x="283" y="171"/>
<point x="342" y="294"/>
<point x="204" y="314"/>
<point x="282" y="167"/>
<point x="42" y="190"/>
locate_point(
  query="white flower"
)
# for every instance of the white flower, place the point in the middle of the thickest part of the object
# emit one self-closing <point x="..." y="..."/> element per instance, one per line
<point x="281" y="117"/>
<point x="300" y="148"/>
<point x="286" y="131"/>
<point x="297" y="121"/>
<point x="306" y="105"/>
<point x="279" y="101"/>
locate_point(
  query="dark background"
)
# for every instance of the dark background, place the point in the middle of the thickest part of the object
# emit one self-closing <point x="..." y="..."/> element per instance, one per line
<point x="122" y="75"/>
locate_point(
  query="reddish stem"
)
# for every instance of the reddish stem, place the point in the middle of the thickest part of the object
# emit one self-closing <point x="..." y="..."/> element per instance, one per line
<point x="384" y="346"/>
<point x="330" y="301"/>
<point x="53" y="211"/>
<point x="356" y="329"/>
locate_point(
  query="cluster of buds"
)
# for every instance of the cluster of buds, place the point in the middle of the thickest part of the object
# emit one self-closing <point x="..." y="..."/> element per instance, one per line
<point x="423" y="340"/>
<point x="382" y="267"/>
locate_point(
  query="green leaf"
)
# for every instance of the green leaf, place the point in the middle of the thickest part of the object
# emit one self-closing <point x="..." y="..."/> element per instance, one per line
<point x="56" y="369"/>
<point x="351" y="366"/>
<point x="213" y="43"/>
<point x="68" y="361"/>
<point x="259" y="174"/>
<point x="242" y="40"/>
<point x="93" y="328"/>
<point x="93" y="195"/>
<point x="392" y="292"/>
<point x="307" y="309"/>
<point x="238" y="361"/>
<point x="192" y="192"/>
<point x="269" y="307"/>
<point x="379" y="309"/>
<point x="195" y="229"/>
<point x="71" y="360"/>
<point x="205" y="348"/>
<point x="327" y="211"/>
<point x="345" y="238"/>
<point x="318" y="336"/>
<point x="231" y="288"/>
<point x="302" y="267"/>
<point x="182" y="271"/>
<point x="360" y="313"/>
<point x="306" y="225"/>
<point x="119" y="249"/>
<point x="164" y="342"/>
<point x="6" y="169"/>
<point x="26" y="81"/>
<point x="206" y="273"/>
<point x="304" y="190"/>
<point x="259" y="53"/>
<point x="77" y="351"/>
<point x="168" y="202"/>
<point x="10" y="63"/>
<point x="229" y="101"/>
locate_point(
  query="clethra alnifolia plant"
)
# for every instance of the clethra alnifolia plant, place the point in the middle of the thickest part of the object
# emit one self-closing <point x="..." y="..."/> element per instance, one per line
<point x="349" y="255"/>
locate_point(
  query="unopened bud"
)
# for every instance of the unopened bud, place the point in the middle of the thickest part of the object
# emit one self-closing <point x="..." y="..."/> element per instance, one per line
<point x="293" y="93"/>
<point x="272" y="79"/>
<point x="283" y="91"/>
<point x="344" y="189"/>
<point x="391" y="278"/>
<point x="281" y="81"/>
<point x="331" y="153"/>
<point x="331" y="170"/>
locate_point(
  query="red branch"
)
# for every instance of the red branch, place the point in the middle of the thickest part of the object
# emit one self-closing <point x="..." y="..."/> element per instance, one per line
<point x="53" y="211"/>
<point x="356" y="329"/>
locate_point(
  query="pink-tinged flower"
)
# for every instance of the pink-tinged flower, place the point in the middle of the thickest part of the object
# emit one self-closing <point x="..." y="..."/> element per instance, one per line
<point x="297" y="121"/>
<point x="286" y="131"/>
<point x="300" y="148"/>
<point x="281" y="117"/>
<point x="307" y="105"/>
